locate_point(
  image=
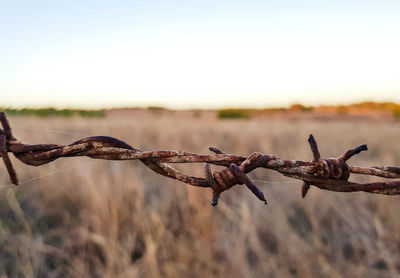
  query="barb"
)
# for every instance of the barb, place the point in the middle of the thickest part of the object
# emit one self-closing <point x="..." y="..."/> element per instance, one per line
<point x="328" y="174"/>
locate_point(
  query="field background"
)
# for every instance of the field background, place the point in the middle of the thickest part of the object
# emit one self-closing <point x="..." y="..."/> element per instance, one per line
<point x="81" y="217"/>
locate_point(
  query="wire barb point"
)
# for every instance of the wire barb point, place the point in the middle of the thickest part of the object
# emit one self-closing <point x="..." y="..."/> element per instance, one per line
<point x="314" y="148"/>
<point x="304" y="189"/>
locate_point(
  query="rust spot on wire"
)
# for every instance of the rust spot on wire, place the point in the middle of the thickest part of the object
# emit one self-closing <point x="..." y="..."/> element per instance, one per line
<point x="328" y="174"/>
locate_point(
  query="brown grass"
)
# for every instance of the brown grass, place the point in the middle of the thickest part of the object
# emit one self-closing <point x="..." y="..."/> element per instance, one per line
<point x="89" y="218"/>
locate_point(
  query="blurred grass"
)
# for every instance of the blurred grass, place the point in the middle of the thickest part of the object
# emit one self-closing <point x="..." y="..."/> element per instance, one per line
<point x="78" y="217"/>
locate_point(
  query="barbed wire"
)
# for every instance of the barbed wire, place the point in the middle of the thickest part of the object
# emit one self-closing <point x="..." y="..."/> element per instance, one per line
<point x="328" y="174"/>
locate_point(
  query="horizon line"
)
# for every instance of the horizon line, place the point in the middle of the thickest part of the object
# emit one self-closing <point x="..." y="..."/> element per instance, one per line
<point x="205" y="107"/>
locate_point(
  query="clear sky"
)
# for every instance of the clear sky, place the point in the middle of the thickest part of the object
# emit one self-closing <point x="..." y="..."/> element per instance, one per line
<point x="198" y="54"/>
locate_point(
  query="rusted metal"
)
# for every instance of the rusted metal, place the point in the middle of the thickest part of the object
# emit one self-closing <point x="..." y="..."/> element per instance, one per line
<point x="316" y="156"/>
<point x="328" y="174"/>
<point x="6" y="158"/>
<point x="314" y="148"/>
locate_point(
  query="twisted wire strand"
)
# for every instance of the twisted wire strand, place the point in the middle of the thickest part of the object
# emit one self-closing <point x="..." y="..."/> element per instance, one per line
<point x="328" y="174"/>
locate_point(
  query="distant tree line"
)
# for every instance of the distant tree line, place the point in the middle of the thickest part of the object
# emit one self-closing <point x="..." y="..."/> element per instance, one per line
<point x="47" y="112"/>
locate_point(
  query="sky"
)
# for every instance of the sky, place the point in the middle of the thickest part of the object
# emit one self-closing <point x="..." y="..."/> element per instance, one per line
<point x="198" y="54"/>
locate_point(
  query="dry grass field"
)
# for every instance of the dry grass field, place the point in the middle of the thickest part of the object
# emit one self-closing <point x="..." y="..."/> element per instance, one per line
<point x="81" y="217"/>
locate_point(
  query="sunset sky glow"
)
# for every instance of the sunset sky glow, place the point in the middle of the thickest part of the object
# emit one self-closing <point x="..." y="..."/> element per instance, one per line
<point x="203" y="54"/>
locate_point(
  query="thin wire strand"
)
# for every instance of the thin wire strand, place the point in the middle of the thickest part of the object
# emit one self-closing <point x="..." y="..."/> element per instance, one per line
<point x="56" y="172"/>
<point x="277" y="182"/>
<point x="50" y="130"/>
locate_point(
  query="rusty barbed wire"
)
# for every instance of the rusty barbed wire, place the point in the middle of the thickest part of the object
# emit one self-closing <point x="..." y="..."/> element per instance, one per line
<point x="328" y="174"/>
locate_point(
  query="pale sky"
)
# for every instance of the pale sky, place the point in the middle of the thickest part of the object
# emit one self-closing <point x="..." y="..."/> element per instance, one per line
<point x="198" y="54"/>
